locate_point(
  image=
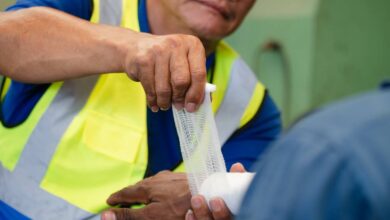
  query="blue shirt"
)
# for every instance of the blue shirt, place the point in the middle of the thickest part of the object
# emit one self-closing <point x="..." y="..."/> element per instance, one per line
<point x="334" y="164"/>
<point x="244" y="146"/>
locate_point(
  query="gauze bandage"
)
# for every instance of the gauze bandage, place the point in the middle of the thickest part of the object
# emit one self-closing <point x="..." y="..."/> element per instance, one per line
<point x="202" y="156"/>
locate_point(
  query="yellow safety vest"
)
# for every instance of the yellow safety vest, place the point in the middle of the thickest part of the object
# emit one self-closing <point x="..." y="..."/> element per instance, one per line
<point x="87" y="138"/>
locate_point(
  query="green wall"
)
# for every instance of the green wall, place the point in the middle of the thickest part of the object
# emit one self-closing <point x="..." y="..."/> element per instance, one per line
<point x="352" y="47"/>
<point x="326" y="49"/>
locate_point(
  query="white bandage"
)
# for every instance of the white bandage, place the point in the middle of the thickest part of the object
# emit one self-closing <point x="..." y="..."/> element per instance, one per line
<point x="231" y="187"/>
<point x="202" y="156"/>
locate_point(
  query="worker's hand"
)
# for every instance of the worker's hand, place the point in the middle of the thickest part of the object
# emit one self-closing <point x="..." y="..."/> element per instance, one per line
<point x="165" y="195"/>
<point x="171" y="69"/>
<point x="219" y="211"/>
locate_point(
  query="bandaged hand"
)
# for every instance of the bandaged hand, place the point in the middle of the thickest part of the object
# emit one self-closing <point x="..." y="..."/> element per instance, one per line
<point x="165" y="196"/>
<point x="218" y="209"/>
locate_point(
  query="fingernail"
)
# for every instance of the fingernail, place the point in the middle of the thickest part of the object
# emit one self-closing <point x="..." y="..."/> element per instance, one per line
<point x="154" y="109"/>
<point x="190" y="215"/>
<point x="215" y="205"/>
<point x="196" y="203"/>
<point x="179" y="106"/>
<point x="164" y="109"/>
<point x="108" y="216"/>
<point x="191" y="107"/>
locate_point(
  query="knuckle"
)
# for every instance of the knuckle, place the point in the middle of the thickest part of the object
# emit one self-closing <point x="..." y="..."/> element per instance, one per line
<point x="143" y="188"/>
<point x="190" y="38"/>
<point x="152" y="215"/>
<point x="194" y="40"/>
<point x="144" y="59"/>
<point x="151" y="101"/>
<point x="180" y="82"/>
<point x="198" y="74"/>
<point x="150" y="94"/>
<point x="119" y="196"/>
<point x="121" y="215"/>
<point x="173" y="41"/>
<point x="177" y="209"/>
<point x="158" y="49"/>
<point x="178" y="68"/>
<point x="127" y="214"/>
<point x="164" y="92"/>
<point x="194" y="98"/>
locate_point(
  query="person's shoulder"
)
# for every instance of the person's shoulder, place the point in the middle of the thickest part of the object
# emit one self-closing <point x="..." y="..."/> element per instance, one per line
<point x="346" y="144"/>
<point x="354" y="129"/>
<point x="345" y="117"/>
<point x="82" y="9"/>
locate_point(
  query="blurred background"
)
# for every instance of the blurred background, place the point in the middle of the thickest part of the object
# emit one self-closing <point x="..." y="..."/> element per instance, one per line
<point x="5" y="3"/>
<point x="311" y="52"/>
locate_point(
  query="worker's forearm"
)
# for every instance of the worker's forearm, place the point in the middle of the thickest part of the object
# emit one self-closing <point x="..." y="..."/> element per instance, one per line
<point x="41" y="45"/>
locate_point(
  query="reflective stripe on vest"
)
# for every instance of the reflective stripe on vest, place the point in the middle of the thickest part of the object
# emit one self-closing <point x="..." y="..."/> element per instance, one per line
<point x="21" y="187"/>
<point x="110" y="12"/>
<point x="242" y="84"/>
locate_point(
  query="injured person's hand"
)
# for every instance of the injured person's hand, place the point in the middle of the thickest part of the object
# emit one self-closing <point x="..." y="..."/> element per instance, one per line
<point x="165" y="196"/>
<point x="217" y="209"/>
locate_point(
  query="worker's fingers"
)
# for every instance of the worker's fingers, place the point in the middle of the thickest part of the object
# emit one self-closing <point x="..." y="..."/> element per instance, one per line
<point x="200" y="208"/>
<point x="129" y="195"/>
<point x="197" y="63"/>
<point x="219" y="209"/>
<point x="150" y="211"/>
<point x="180" y="75"/>
<point x="162" y="81"/>
<point x="146" y="76"/>
<point x="190" y="215"/>
<point x="237" y="168"/>
<point x="123" y="214"/>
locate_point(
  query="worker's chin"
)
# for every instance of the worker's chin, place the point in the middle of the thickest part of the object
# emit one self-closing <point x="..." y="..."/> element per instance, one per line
<point x="210" y="29"/>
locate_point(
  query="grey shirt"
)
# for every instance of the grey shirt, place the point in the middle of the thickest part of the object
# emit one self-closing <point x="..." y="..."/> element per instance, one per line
<point x="334" y="164"/>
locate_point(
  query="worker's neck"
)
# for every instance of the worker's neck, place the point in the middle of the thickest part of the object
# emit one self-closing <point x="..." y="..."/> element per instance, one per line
<point x="162" y="22"/>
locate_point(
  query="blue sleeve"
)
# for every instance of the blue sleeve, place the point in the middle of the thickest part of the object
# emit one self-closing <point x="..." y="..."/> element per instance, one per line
<point x="79" y="8"/>
<point x="250" y="141"/>
<point x="8" y="213"/>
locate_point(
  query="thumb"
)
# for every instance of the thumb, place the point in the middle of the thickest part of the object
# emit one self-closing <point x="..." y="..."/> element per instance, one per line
<point x="237" y="168"/>
<point x="122" y="214"/>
